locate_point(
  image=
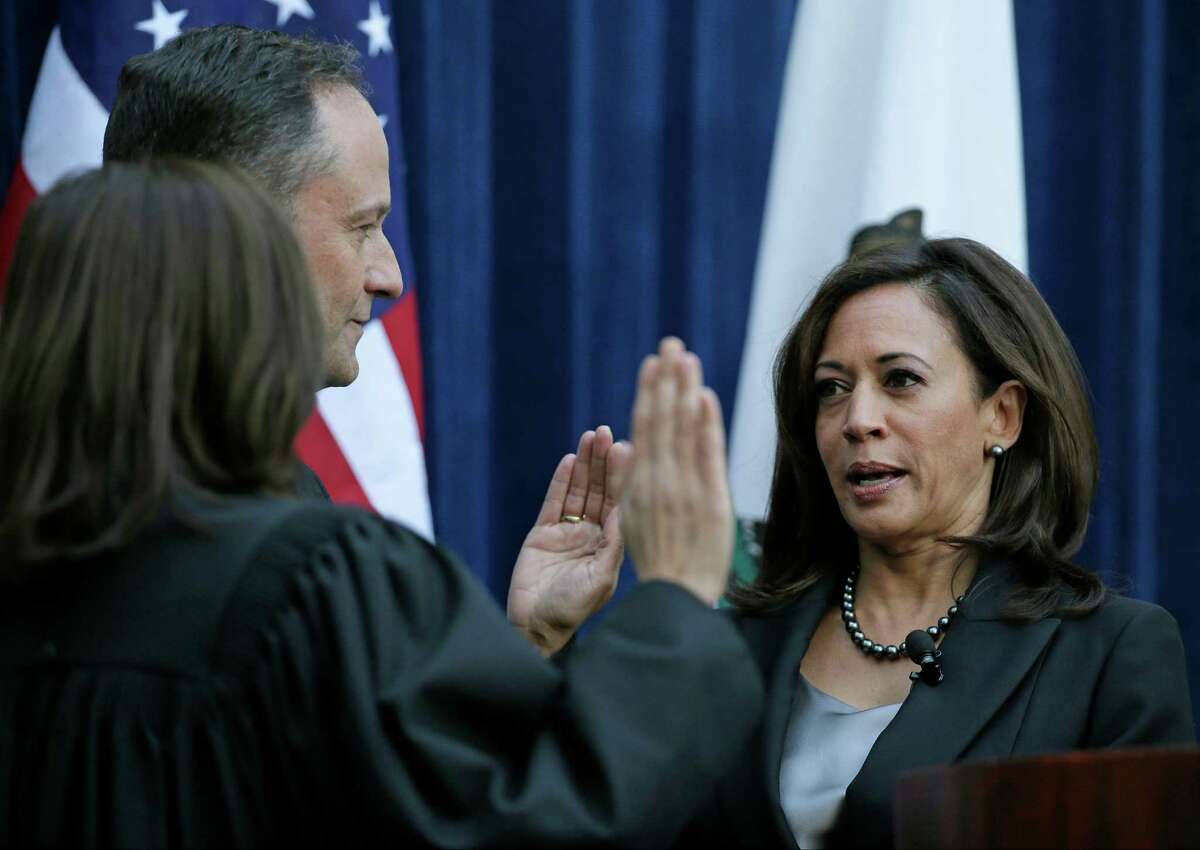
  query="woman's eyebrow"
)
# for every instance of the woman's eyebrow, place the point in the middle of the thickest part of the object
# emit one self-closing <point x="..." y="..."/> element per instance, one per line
<point x="895" y="355"/>
<point x="837" y="365"/>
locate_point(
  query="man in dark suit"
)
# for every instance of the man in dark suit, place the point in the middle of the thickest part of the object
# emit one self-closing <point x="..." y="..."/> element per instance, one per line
<point x="291" y="113"/>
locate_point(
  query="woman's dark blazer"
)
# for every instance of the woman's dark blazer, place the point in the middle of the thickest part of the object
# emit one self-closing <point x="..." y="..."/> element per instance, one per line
<point x="1114" y="678"/>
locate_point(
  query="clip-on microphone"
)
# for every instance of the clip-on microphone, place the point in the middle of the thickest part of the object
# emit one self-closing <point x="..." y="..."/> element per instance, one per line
<point x="923" y="652"/>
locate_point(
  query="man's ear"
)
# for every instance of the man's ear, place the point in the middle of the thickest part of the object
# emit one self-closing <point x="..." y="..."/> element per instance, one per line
<point x="1004" y="411"/>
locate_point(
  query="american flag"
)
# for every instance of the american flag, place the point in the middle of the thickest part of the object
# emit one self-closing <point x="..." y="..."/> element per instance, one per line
<point x="365" y="440"/>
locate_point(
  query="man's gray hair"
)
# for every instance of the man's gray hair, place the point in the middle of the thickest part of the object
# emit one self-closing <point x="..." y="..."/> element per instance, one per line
<point x="232" y="94"/>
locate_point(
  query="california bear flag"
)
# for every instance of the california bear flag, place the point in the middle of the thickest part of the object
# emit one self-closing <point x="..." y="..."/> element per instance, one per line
<point x="886" y="107"/>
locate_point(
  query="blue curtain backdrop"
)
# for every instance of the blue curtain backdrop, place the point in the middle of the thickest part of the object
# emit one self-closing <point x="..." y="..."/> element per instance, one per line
<point x="587" y="176"/>
<point x="1110" y="98"/>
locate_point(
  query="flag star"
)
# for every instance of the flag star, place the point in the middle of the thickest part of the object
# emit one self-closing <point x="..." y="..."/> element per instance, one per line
<point x="287" y="8"/>
<point x="382" y="120"/>
<point x="164" y="26"/>
<point x="376" y="28"/>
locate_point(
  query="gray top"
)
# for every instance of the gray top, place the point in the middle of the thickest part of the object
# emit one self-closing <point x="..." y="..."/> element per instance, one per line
<point x="826" y="744"/>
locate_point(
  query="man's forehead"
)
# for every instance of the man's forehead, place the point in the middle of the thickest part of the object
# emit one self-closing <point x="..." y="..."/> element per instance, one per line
<point x="344" y="115"/>
<point x="358" y="149"/>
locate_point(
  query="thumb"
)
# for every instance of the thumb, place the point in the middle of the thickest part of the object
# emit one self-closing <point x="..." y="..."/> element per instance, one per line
<point x="613" y="535"/>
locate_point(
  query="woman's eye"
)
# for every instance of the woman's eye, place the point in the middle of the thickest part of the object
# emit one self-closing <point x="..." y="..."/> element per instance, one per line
<point x="901" y="379"/>
<point x="828" y="387"/>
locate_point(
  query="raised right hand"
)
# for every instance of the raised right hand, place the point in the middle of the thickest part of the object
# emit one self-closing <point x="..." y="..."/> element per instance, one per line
<point x="677" y="517"/>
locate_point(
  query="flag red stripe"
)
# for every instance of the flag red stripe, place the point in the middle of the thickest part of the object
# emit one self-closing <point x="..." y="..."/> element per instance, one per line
<point x="20" y="195"/>
<point x="316" y="446"/>
<point x="400" y="324"/>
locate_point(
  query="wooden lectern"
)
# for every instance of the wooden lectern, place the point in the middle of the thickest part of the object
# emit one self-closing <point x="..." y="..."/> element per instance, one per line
<point x="1116" y="798"/>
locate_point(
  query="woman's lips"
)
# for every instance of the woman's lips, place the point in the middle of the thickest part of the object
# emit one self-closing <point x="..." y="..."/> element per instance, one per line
<point x="876" y="486"/>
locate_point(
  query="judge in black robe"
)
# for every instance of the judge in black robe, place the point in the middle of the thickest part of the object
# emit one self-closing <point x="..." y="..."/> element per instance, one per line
<point x="279" y="672"/>
<point x="308" y="485"/>
<point x="179" y="667"/>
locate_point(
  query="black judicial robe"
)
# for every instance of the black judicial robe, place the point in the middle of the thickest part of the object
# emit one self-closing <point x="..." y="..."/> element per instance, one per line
<point x="308" y="485"/>
<point x="274" y="672"/>
<point x="1114" y="678"/>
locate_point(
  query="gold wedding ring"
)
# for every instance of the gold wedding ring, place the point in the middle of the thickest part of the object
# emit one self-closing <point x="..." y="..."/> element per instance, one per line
<point x="570" y="518"/>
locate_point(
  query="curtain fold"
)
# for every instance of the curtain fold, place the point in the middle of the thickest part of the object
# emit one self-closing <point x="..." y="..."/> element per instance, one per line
<point x="1111" y="126"/>
<point x="618" y="155"/>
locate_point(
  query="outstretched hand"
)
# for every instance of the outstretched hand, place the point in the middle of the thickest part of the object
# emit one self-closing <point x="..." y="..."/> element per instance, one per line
<point x="568" y="566"/>
<point x="678" y="516"/>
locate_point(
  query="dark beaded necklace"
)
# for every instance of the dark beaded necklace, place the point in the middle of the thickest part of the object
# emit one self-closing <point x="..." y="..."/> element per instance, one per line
<point x="878" y="650"/>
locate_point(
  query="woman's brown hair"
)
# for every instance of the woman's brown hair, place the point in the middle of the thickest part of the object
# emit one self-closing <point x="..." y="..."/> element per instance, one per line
<point x="160" y="331"/>
<point x="1042" y="490"/>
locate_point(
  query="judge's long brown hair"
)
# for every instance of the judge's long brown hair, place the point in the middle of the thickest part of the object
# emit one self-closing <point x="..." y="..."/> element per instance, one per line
<point x="1042" y="491"/>
<point x="159" y="331"/>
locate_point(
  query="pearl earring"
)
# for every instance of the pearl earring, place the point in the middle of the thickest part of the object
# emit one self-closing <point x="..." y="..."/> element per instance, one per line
<point x="996" y="452"/>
